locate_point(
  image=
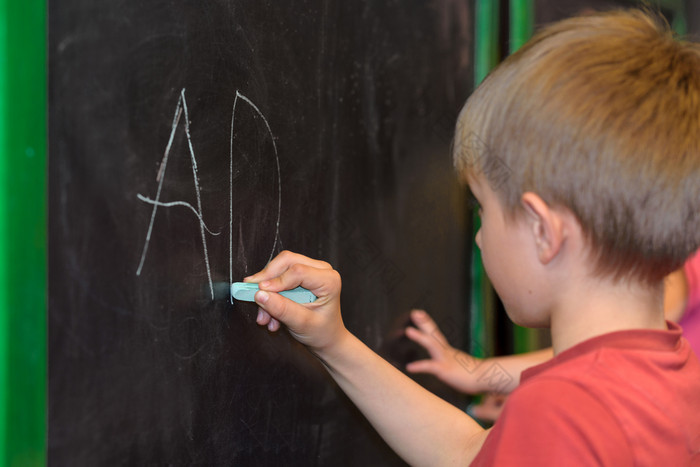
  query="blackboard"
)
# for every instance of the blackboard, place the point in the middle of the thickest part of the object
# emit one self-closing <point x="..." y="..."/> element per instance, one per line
<point x="191" y="140"/>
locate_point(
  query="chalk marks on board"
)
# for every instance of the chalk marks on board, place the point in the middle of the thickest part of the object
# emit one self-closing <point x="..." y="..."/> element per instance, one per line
<point x="180" y="109"/>
<point x="279" y="180"/>
<point x="177" y="203"/>
<point x="160" y="178"/>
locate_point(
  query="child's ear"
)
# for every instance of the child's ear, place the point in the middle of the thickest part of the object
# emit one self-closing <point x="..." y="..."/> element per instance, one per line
<point x="546" y="226"/>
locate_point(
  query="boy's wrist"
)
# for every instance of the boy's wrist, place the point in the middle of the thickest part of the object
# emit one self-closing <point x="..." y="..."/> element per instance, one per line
<point x="330" y="353"/>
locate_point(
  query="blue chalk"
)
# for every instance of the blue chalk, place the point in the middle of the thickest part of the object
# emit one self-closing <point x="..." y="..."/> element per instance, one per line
<point x="245" y="291"/>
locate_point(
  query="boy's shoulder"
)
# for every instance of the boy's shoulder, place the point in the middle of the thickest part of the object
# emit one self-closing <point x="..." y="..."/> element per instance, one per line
<point x="628" y="397"/>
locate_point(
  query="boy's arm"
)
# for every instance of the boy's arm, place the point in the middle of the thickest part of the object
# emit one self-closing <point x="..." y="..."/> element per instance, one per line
<point x="422" y="428"/>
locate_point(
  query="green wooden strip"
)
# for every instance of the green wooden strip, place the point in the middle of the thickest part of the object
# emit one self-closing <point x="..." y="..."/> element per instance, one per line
<point x="486" y="46"/>
<point x="522" y="23"/>
<point x="23" y="263"/>
<point x="481" y="308"/>
<point x="4" y="261"/>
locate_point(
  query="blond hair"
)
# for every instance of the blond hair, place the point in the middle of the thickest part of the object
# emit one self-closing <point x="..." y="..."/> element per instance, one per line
<point x="599" y="114"/>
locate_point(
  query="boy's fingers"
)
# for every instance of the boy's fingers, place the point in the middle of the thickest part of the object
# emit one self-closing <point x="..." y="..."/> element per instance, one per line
<point x="263" y="317"/>
<point x="273" y="325"/>
<point x="280" y="309"/>
<point x="281" y="263"/>
<point x="321" y="282"/>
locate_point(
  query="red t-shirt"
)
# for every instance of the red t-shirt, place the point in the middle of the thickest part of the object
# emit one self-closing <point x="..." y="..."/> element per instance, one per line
<point x="690" y="322"/>
<point x="624" y="398"/>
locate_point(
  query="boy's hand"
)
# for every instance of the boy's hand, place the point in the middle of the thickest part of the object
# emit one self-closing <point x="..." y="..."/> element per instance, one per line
<point x="396" y="406"/>
<point x="317" y="325"/>
<point x="452" y="366"/>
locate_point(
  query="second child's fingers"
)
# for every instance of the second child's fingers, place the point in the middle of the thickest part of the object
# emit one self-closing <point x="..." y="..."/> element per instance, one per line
<point x="426" y="324"/>
<point x="435" y="346"/>
<point x="422" y="366"/>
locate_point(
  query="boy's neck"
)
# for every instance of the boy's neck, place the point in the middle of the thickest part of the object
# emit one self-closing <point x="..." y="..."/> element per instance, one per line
<point x="595" y="307"/>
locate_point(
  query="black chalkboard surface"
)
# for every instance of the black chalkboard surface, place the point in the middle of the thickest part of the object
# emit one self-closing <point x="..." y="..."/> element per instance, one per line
<point x="192" y="140"/>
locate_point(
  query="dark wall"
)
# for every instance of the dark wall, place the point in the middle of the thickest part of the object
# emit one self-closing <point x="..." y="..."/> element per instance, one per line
<point x="693" y="7"/>
<point x="338" y="148"/>
<point x="547" y="11"/>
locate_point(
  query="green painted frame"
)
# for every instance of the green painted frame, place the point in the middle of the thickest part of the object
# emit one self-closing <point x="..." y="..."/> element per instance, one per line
<point x="23" y="232"/>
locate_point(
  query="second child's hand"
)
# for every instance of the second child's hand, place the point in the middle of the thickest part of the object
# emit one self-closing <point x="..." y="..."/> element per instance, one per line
<point x="452" y="366"/>
<point x="462" y="371"/>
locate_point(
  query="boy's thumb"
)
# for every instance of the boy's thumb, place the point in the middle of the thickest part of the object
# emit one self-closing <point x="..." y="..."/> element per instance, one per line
<point x="279" y="307"/>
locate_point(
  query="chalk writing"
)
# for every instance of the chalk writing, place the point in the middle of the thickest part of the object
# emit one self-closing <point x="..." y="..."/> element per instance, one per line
<point x="279" y="181"/>
<point x="181" y="108"/>
<point x="176" y="203"/>
<point x="160" y="178"/>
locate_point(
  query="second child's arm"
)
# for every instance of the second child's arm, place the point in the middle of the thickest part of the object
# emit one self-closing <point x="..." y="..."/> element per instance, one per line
<point x="470" y="375"/>
<point x="422" y="428"/>
<point x="462" y="371"/>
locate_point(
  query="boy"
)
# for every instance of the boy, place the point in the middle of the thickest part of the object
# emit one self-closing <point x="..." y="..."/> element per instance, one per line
<point x="681" y="305"/>
<point x="583" y="150"/>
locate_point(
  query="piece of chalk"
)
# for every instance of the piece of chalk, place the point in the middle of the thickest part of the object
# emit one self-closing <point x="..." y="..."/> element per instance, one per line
<point x="245" y="291"/>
